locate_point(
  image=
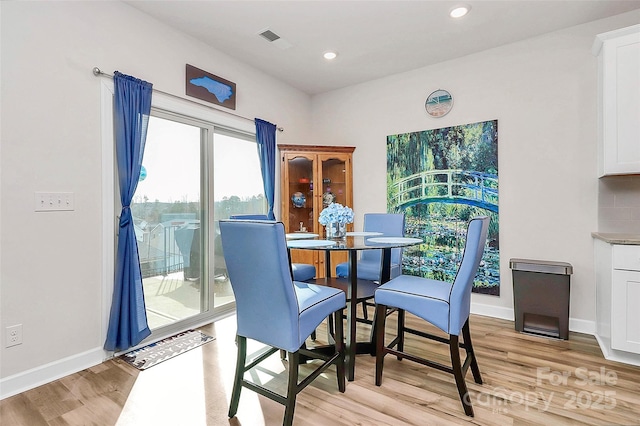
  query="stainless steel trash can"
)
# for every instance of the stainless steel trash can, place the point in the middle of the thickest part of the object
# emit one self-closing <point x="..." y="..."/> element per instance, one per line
<point x="541" y="297"/>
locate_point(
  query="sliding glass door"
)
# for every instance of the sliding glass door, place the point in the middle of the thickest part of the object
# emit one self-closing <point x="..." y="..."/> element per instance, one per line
<point x="168" y="208"/>
<point x="194" y="174"/>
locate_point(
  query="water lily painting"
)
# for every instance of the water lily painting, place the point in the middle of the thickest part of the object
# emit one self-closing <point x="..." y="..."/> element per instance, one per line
<point x="440" y="179"/>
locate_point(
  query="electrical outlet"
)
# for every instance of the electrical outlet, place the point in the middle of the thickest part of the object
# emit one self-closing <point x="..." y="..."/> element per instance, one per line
<point x="13" y="335"/>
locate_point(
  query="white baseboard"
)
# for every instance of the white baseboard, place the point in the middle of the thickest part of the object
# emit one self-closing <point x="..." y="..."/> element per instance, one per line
<point x="582" y="326"/>
<point x="492" y="311"/>
<point x="614" y="355"/>
<point x="576" y="325"/>
<point x="13" y="385"/>
<point x="605" y="344"/>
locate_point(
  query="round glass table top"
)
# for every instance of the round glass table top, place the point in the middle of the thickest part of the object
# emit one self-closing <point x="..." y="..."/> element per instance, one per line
<point x="300" y="235"/>
<point x="376" y="241"/>
<point x="310" y="243"/>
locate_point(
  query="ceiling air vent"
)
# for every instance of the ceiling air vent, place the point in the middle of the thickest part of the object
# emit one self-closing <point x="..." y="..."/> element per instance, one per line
<point x="270" y="35"/>
<point x="274" y="39"/>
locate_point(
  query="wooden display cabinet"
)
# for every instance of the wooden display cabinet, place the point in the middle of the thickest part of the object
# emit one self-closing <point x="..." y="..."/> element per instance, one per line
<point x="312" y="176"/>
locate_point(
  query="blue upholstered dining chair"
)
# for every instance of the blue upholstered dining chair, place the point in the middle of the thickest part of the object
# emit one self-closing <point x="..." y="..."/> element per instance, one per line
<point x="369" y="264"/>
<point x="300" y="271"/>
<point x="273" y="309"/>
<point x="391" y="225"/>
<point x="445" y="305"/>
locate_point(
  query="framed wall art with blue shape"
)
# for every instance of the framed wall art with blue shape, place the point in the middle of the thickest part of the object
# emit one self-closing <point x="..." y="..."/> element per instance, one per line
<point x="209" y="87"/>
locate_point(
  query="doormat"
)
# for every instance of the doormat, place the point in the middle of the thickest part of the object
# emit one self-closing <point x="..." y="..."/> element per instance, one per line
<point x="165" y="349"/>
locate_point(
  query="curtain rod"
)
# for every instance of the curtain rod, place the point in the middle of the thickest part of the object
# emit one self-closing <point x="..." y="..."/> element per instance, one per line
<point x="98" y="72"/>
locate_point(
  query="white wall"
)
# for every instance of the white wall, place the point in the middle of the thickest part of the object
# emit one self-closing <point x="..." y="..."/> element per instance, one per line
<point x="542" y="91"/>
<point x="51" y="279"/>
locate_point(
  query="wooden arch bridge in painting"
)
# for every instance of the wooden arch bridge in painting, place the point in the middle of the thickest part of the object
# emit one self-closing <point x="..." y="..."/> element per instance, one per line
<point x="445" y="186"/>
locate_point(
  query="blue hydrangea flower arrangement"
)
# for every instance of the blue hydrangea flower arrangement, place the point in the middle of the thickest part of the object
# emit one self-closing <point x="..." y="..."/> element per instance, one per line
<point x="336" y="213"/>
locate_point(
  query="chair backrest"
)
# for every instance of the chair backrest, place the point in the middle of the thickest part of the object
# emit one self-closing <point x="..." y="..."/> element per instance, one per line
<point x="392" y="225"/>
<point x="250" y="216"/>
<point x="258" y="266"/>
<point x="460" y="298"/>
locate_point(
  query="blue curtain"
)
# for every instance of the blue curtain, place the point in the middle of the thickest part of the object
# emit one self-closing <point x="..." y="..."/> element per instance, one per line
<point x="132" y="106"/>
<point x="266" y="138"/>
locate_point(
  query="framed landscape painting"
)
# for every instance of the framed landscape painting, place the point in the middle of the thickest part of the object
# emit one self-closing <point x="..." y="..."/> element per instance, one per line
<point x="440" y="179"/>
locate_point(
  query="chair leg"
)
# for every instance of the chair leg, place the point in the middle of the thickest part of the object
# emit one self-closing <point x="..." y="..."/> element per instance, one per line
<point x="466" y="334"/>
<point x="241" y="342"/>
<point x="339" y="344"/>
<point x="373" y="334"/>
<point x="292" y="388"/>
<point x="380" y="318"/>
<point x="365" y="314"/>
<point x="457" y="373"/>
<point x="400" y="332"/>
<point x="330" y="328"/>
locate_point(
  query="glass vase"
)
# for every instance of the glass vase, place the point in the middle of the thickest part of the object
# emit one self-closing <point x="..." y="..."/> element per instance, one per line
<point x="336" y="230"/>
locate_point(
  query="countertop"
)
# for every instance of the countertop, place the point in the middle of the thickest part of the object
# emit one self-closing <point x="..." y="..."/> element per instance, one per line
<point x="628" y="239"/>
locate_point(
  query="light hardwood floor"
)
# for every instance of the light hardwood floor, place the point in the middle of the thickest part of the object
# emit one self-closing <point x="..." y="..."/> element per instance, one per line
<point x="528" y="380"/>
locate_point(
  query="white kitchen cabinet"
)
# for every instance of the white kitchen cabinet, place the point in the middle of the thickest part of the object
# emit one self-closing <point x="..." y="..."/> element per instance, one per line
<point x="625" y="299"/>
<point x="617" y="301"/>
<point x="618" y="101"/>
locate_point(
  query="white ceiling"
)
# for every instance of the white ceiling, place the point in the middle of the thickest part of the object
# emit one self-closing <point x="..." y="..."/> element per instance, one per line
<point x="373" y="38"/>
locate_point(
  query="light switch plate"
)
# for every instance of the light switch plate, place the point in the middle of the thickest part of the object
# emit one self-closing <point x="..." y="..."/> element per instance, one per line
<point x="54" y="201"/>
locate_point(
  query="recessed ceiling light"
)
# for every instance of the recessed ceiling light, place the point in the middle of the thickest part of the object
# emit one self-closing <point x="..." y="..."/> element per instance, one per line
<point x="330" y="55"/>
<point x="460" y="11"/>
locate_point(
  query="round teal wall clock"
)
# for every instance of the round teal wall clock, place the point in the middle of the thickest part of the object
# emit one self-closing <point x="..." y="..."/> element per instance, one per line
<point x="439" y="103"/>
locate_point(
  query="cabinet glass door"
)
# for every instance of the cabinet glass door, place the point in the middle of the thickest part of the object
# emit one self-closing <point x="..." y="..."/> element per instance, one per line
<point x="299" y="209"/>
<point x="334" y="180"/>
<point x="300" y="196"/>
<point x="335" y="189"/>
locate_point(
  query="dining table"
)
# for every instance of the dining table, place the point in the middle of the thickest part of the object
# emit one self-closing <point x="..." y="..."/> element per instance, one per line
<point x="355" y="289"/>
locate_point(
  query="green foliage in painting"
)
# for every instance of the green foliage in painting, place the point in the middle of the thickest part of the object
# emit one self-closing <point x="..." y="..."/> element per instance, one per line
<point x="467" y="147"/>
